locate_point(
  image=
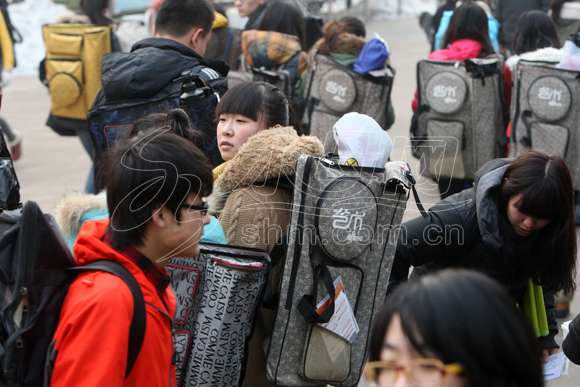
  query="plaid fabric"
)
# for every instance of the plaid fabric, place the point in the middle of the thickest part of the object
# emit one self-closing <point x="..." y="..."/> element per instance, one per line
<point x="270" y="49"/>
<point x="158" y="277"/>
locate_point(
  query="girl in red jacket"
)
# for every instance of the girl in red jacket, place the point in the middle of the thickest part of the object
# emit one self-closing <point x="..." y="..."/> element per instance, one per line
<point x="467" y="37"/>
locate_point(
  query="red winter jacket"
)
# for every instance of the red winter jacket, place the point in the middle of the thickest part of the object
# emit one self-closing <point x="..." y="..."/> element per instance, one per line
<point x="462" y="49"/>
<point x="93" y="330"/>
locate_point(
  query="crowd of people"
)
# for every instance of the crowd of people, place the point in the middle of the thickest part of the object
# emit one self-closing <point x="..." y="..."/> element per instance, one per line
<point x="463" y="317"/>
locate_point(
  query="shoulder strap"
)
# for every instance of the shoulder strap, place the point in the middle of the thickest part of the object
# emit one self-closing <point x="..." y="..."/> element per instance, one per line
<point x="138" y="323"/>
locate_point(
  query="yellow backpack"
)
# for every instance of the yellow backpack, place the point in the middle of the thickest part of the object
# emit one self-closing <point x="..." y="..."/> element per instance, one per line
<point x="73" y="66"/>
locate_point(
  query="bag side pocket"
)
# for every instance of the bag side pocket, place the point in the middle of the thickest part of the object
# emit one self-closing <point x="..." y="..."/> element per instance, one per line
<point x="327" y="356"/>
<point x="65" y="82"/>
<point x="553" y="139"/>
<point x="65" y="44"/>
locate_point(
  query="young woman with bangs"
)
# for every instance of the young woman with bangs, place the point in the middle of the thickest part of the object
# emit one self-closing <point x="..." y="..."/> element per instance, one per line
<point x="260" y="138"/>
<point x="453" y="328"/>
<point x="516" y="224"/>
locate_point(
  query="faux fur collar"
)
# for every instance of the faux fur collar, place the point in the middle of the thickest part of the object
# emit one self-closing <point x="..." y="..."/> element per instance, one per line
<point x="269" y="154"/>
<point x="548" y="54"/>
<point x="72" y="207"/>
<point x="345" y="44"/>
<point x="72" y="17"/>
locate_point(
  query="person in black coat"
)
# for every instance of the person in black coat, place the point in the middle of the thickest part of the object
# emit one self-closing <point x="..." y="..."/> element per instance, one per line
<point x="507" y="13"/>
<point x="571" y="344"/>
<point x="515" y="224"/>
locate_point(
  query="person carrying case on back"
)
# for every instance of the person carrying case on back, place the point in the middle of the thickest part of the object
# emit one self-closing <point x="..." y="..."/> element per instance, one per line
<point x="151" y="78"/>
<point x="90" y="345"/>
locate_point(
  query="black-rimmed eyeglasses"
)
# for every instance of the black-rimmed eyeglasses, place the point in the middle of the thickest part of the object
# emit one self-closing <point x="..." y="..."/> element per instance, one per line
<point x="202" y="209"/>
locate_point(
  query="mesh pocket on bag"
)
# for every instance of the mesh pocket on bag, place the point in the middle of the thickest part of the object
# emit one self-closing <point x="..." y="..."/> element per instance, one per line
<point x="327" y="356"/>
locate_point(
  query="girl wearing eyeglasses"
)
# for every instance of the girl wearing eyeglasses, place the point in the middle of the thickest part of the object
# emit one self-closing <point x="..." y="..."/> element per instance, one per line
<point x="454" y="328"/>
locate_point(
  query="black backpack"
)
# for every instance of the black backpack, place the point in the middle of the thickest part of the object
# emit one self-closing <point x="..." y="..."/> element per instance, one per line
<point x="36" y="269"/>
<point x="197" y="91"/>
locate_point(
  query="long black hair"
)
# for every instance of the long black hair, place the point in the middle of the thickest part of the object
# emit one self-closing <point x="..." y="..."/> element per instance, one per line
<point x="94" y="10"/>
<point x="534" y="30"/>
<point x="463" y="316"/>
<point x="286" y="19"/>
<point x="469" y="21"/>
<point x="547" y="193"/>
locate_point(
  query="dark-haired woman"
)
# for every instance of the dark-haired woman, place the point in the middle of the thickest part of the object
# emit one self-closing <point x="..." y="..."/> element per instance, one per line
<point x="492" y="24"/>
<point x="279" y="42"/>
<point x="343" y="40"/>
<point x="260" y="138"/>
<point x="454" y="328"/>
<point x="515" y="224"/>
<point x="466" y="37"/>
<point x="566" y="17"/>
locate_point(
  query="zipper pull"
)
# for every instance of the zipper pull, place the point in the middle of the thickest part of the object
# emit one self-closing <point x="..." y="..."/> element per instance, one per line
<point x="326" y="161"/>
<point x="25" y="299"/>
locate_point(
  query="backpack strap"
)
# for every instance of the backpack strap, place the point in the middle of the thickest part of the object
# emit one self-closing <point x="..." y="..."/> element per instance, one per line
<point x="307" y="305"/>
<point x="138" y="323"/>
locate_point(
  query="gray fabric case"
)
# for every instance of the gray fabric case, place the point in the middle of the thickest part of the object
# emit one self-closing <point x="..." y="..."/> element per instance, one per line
<point x="350" y="217"/>
<point x="217" y="293"/>
<point x="332" y="90"/>
<point x="542" y="113"/>
<point x="460" y="122"/>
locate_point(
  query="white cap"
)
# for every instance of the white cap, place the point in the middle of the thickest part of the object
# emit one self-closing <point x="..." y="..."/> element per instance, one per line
<point x="361" y="141"/>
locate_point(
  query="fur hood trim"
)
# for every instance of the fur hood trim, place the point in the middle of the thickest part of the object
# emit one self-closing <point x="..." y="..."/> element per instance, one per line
<point x="345" y="44"/>
<point x="71" y="17"/>
<point x="548" y="54"/>
<point x="269" y="154"/>
<point x="70" y="210"/>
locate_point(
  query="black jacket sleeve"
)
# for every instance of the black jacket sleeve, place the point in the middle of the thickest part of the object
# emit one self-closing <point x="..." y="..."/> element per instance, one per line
<point x="548" y="342"/>
<point x="500" y="18"/>
<point x="571" y="344"/>
<point x="449" y="231"/>
<point x="115" y="43"/>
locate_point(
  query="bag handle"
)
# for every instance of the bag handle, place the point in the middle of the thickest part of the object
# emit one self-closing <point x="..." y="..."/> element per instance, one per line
<point x="527" y="141"/>
<point x="307" y="305"/>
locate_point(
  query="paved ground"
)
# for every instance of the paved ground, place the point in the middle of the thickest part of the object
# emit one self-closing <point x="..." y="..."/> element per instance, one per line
<point x="52" y="165"/>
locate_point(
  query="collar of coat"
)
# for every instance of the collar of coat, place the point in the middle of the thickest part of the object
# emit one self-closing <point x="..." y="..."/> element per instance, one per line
<point x="345" y="44"/>
<point x="486" y="180"/>
<point x="269" y="154"/>
<point x="269" y="47"/>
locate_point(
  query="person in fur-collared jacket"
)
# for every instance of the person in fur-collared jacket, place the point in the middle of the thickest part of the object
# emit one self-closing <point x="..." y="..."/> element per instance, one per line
<point x="279" y="42"/>
<point x="260" y="138"/>
<point x="535" y="39"/>
<point x="343" y="41"/>
<point x="260" y="147"/>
